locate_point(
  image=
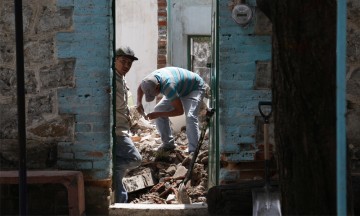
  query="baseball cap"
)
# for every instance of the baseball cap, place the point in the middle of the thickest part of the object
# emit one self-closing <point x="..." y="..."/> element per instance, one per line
<point x="148" y="86"/>
<point x="127" y="52"/>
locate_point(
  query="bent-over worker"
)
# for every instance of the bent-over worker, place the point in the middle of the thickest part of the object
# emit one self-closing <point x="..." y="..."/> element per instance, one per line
<point x="183" y="92"/>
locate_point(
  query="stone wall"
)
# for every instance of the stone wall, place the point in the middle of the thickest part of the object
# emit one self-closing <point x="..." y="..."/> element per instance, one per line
<point x="68" y="54"/>
<point x="44" y="73"/>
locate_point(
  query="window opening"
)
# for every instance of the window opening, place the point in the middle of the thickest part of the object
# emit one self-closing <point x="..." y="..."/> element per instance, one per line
<point x="200" y="56"/>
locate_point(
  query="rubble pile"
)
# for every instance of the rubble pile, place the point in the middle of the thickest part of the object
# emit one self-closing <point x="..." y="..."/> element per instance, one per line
<point x="158" y="178"/>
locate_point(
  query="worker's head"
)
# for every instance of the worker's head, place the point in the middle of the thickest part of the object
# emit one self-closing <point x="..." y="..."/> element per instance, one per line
<point x="150" y="87"/>
<point x="124" y="59"/>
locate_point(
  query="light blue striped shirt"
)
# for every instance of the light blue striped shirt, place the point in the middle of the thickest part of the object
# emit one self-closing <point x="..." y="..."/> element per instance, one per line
<point x="177" y="82"/>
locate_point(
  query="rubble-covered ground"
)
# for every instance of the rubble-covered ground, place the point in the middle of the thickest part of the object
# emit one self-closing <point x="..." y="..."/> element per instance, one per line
<point x="161" y="174"/>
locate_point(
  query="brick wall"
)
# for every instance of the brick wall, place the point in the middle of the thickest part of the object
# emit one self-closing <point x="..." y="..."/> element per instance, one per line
<point x="162" y="41"/>
<point x="90" y="43"/>
<point x="244" y="80"/>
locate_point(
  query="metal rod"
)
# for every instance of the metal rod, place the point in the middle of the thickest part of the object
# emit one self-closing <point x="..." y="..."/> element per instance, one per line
<point x="21" y="106"/>
<point x="216" y="67"/>
<point x="341" y="108"/>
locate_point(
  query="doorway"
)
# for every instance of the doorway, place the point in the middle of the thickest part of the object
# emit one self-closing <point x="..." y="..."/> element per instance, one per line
<point x="139" y="26"/>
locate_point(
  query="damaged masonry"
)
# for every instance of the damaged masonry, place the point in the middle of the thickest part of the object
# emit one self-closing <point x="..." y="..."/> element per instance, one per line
<point x="159" y="177"/>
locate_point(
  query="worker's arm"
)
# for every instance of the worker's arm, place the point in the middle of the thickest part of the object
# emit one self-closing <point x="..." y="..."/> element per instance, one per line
<point x="139" y="106"/>
<point x="178" y="110"/>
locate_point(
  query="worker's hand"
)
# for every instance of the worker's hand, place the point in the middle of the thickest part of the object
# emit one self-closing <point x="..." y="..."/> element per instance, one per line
<point x="153" y="115"/>
<point x="140" y="109"/>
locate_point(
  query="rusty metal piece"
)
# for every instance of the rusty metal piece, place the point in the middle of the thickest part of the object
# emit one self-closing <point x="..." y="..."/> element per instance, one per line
<point x="157" y="187"/>
<point x="179" y="178"/>
<point x="170" y="179"/>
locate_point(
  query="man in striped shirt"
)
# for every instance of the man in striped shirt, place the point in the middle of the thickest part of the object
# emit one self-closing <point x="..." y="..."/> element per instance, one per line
<point x="183" y="91"/>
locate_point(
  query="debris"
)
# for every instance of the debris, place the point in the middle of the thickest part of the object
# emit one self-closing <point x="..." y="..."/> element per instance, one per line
<point x="158" y="178"/>
<point x="140" y="181"/>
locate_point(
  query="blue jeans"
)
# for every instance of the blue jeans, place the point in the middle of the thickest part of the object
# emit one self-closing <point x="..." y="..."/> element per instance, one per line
<point x="127" y="157"/>
<point x="191" y="104"/>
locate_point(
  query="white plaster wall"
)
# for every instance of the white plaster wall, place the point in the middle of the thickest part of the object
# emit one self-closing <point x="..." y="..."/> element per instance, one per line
<point x="137" y="27"/>
<point x="187" y="17"/>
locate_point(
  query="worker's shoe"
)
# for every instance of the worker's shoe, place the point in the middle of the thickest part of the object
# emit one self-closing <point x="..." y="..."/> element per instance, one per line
<point x="168" y="147"/>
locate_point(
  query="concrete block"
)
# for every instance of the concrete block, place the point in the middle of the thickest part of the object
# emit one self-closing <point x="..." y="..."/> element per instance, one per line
<point x="139" y="182"/>
<point x="94" y="118"/>
<point x="83" y="128"/>
<point x="92" y="155"/>
<point x="263" y="75"/>
<point x="92" y="137"/>
<point x="101" y="164"/>
<point x="246" y="155"/>
<point x="81" y="147"/>
<point x="229" y="176"/>
<point x="83" y="165"/>
<point x="66" y="156"/>
<point x="180" y="171"/>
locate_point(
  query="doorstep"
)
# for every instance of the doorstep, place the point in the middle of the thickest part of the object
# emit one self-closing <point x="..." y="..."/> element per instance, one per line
<point x="125" y="209"/>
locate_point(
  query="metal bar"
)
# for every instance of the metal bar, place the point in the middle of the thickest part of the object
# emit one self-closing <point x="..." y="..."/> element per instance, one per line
<point x="341" y="108"/>
<point x="113" y="92"/>
<point x="21" y="106"/>
<point x="217" y="93"/>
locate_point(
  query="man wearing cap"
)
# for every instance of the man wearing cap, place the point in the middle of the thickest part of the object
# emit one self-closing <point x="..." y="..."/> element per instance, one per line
<point x="183" y="91"/>
<point x="126" y="154"/>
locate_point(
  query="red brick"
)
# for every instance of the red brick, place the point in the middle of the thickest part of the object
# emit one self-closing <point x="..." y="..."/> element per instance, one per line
<point x="162" y="23"/>
<point x="161" y="61"/>
<point x="162" y="3"/>
<point x="162" y="43"/>
<point x="161" y="57"/>
<point x="95" y="154"/>
<point x="162" y="14"/>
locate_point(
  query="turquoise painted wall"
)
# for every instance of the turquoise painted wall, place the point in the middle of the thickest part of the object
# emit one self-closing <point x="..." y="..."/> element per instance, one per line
<point x="240" y="49"/>
<point x="90" y="43"/>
